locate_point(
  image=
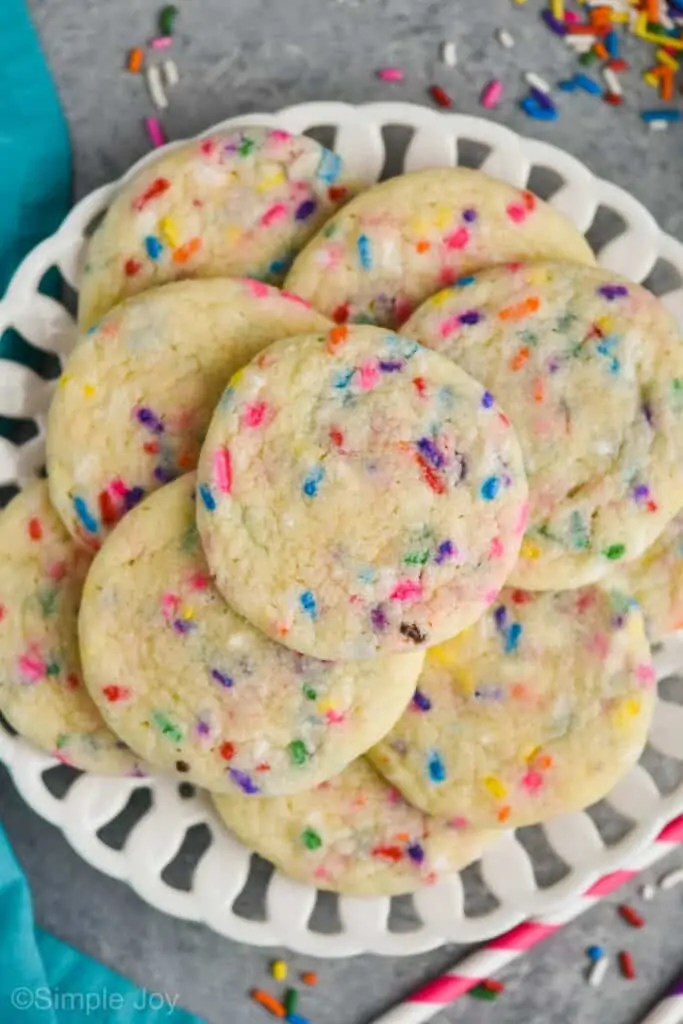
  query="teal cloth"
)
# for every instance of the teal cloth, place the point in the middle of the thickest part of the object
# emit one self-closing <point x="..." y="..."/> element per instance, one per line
<point x="42" y="980"/>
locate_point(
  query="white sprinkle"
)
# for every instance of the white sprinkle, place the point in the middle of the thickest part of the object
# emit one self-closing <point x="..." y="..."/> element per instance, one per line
<point x="658" y="126"/>
<point x="536" y="82"/>
<point x="505" y="38"/>
<point x="449" y="53"/>
<point x="672" y="879"/>
<point x="612" y="82"/>
<point x="156" y="89"/>
<point x="171" y="73"/>
<point x="580" y="44"/>
<point x="598" y="971"/>
<point x="647" y="892"/>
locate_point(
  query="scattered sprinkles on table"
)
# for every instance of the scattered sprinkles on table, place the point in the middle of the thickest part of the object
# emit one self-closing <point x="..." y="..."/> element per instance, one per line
<point x="589" y="370"/>
<point x="378" y="507"/>
<point x="234" y="203"/>
<point x="42" y="694"/>
<point x="535" y="711"/>
<point x="135" y="399"/>
<point x="398" y="242"/>
<point x="371" y="842"/>
<point x="196" y="690"/>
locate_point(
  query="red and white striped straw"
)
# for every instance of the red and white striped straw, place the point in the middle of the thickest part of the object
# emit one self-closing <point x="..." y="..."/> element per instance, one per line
<point x="498" y="953"/>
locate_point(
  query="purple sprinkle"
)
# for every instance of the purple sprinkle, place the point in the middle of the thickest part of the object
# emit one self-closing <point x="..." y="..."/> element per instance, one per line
<point x="421" y="701"/>
<point x="553" y="23"/>
<point x="469" y="215"/>
<point x="133" y="497"/>
<point x="305" y="209"/>
<point x="470" y="318"/>
<point x="163" y="475"/>
<point x="416" y="853"/>
<point x="222" y="678"/>
<point x="487" y="399"/>
<point x="612" y="291"/>
<point x="444" y="551"/>
<point x="379" y="619"/>
<point x="553" y="366"/>
<point x="647" y="412"/>
<point x="150" y="420"/>
<point x="500" y="615"/>
<point x="641" y="491"/>
<point x="430" y="452"/>
<point x="203" y="728"/>
<point x="182" y="626"/>
<point x="390" y="365"/>
<point x="244" y="781"/>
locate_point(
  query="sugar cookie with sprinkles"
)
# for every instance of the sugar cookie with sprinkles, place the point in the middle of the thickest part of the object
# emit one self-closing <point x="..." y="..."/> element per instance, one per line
<point x="42" y="694"/>
<point x="656" y="581"/>
<point x="196" y="690"/>
<point x="396" y="244"/>
<point x="238" y="203"/>
<point x="537" y="710"/>
<point x="374" y="503"/>
<point x="590" y="370"/>
<point x="354" y="834"/>
<point x="136" y="396"/>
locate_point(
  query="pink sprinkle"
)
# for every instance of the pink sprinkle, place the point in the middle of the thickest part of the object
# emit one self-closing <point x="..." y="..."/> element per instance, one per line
<point x="391" y="74"/>
<point x="257" y="288"/>
<point x="57" y="571"/>
<point x="335" y="717"/>
<point x="199" y="581"/>
<point x="450" y="324"/>
<point x="492" y="94"/>
<point x="368" y="375"/>
<point x="523" y="518"/>
<point x="295" y="298"/>
<point x="222" y="470"/>
<point x="60" y="755"/>
<point x="118" y="487"/>
<point x="459" y="822"/>
<point x="406" y="590"/>
<point x="169" y="605"/>
<point x="496" y="550"/>
<point x="599" y="645"/>
<point x="532" y="781"/>
<point x="571" y="17"/>
<point x="645" y="674"/>
<point x="490" y="596"/>
<point x="32" y="667"/>
<point x="256" y="414"/>
<point x="278" y="135"/>
<point x="274" y="214"/>
<point x="155" y="132"/>
<point x="161" y="42"/>
<point x="458" y="239"/>
<point x="516" y="212"/>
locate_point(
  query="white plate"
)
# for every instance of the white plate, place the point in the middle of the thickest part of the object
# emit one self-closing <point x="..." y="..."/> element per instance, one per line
<point x="573" y="850"/>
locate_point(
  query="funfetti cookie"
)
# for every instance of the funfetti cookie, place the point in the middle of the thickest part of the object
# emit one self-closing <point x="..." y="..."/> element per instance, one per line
<point x="359" y="494"/>
<point x="354" y="834"/>
<point x="132" y="406"/>
<point x="401" y="241"/>
<point x="589" y="368"/>
<point x="195" y="689"/>
<point x="240" y="202"/>
<point x="535" y="711"/>
<point x="42" y="694"/>
<point x="656" y="581"/>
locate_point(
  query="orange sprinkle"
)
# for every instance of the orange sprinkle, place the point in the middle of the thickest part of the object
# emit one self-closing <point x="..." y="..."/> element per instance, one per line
<point x="309" y="978"/>
<point x="135" y="59"/>
<point x="666" y="86"/>
<point x="539" y="390"/>
<point x="600" y="50"/>
<point x="518" y="691"/>
<point x="423" y="245"/>
<point x="652" y="8"/>
<point x="521" y="310"/>
<point x="185" y="461"/>
<point x="519" y="359"/>
<point x="268" y="1002"/>
<point x="337" y="337"/>
<point x="183" y="254"/>
<point x="543" y="762"/>
<point x="504" y="813"/>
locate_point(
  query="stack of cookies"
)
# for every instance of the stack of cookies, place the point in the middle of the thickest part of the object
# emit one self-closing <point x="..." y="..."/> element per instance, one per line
<point x="362" y="510"/>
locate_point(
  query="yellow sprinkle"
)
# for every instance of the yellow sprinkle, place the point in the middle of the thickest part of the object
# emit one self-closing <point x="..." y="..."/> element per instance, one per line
<point x="271" y="180"/>
<point x="88" y="390"/>
<point x="233" y="235"/>
<point x="64" y="380"/>
<point x="529" y="550"/>
<point x="665" y="58"/>
<point x="651" y="79"/>
<point x="495" y="786"/>
<point x="464" y="680"/>
<point x="442" y="217"/>
<point x="169" y="231"/>
<point x="236" y="378"/>
<point x="420" y="227"/>
<point x="625" y="711"/>
<point x="557" y="8"/>
<point x="532" y="754"/>
<point x="445" y="655"/>
<point x="620" y="17"/>
<point x="441" y="297"/>
<point x="606" y="324"/>
<point x="188" y="613"/>
<point x="324" y="705"/>
<point x="279" y="970"/>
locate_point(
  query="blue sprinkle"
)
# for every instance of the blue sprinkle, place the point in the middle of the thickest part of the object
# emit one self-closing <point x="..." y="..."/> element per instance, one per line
<point x="222" y="678"/>
<point x="463" y="282"/>
<point x="500" y="616"/>
<point x="430" y="452"/>
<point x="661" y="115"/>
<point x="364" y="252"/>
<point x="85" y="517"/>
<point x="436" y="767"/>
<point x="588" y="84"/>
<point x="568" y="85"/>
<point x="421" y="701"/>
<point x="312" y="482"/>
<point x="534" y="109"/>
<point x="154" y="247"/>
<point x="244" y="781"/>
<point x="207" y="497"/>
<point x="444" y="551"/>
<point x="329" y="167"/>
<point x="416" y="853"/>
<point x="280" y="266"/>
<point x="512" y="641"/>
<point x="490" y="488"/>
<point x="308" y="604"/>
<point x="487" y="399"/>
<point x="595" y="953"/>
<point x="343" y="378"/>
<point x="296" y="1018"/>
<point x="611" y="42"/>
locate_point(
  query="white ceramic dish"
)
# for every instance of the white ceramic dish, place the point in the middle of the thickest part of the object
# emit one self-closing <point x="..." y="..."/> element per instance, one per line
<point x="515" y="871"/>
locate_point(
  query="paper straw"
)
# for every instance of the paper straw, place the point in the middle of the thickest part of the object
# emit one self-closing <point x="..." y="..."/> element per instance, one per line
<point x="429" y="1000"/>
<point x="670" y="1010"/>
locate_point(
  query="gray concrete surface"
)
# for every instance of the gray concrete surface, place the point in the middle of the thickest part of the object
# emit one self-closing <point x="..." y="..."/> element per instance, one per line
<point x="241" y="55"/>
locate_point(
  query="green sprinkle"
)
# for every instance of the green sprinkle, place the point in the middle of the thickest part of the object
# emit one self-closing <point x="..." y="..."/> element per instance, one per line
<point x="246" y="147"/>
<point x="298" y="752"/>
<point x="310" y="693"/>
<point x="328" y="231"/>
<point x="52" y="669"/>
<point x="167" y="18"/>
<point x="311" y="839"/>
<point x="189" y="541"/>
<point x="485" y="994"/>
<point x="47" y="599"/>
<point x="614" y="552"/>
<point x="677" y="384"/>
<point x="167" y="727"/>
<point x="417" y="558"/>
<point x="579" y="533"/>
<point x="62" y="741"/>
<point x="587" y="58"/>
<point x="291" y="1000"/>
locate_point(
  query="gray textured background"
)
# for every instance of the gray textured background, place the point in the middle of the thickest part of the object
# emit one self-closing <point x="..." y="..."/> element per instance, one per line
<point x="241" y="55"/>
